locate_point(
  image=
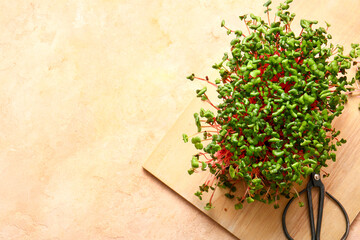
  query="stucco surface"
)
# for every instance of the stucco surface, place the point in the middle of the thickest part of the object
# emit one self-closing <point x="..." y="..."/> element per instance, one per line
<point x="87" y="90"/>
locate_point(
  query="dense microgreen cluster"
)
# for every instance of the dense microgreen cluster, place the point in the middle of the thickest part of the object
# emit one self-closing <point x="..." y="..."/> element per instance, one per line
<point x="279" y="93"/>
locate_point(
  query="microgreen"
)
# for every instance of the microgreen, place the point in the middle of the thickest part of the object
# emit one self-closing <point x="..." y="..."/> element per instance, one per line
<point x="279" y="92"/>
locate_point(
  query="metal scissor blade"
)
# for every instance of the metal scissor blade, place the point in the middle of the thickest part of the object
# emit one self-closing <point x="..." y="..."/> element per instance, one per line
<point x="315" y="182"/>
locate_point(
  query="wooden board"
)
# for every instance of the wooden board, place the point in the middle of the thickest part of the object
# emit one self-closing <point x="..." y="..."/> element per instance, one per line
<point x="171" y="159"/>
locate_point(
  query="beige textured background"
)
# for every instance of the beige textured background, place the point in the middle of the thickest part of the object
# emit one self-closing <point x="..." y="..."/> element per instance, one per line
<point x="88" y="88"/>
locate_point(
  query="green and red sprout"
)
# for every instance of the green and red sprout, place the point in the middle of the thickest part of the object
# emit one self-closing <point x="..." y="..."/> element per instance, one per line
<point x="279" y="94"/>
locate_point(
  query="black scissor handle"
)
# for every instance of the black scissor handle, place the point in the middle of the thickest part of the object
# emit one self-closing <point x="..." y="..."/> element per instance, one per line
<point x="315" y="181"/>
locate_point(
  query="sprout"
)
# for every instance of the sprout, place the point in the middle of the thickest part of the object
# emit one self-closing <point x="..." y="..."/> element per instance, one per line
<point x="279" y="92"/>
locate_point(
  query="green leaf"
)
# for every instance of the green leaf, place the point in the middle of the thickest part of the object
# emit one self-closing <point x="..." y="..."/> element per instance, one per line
<point x="199" y="146"/>
<point x="304" y="23"/>
<point x="195" y="140"/>
<point x="278" y="153"/>
<point x="255" y="73"/>
<point x="238" y="206"/>
<point x="228" y="195"/>
<point x="185" y="138"/>
<point x="243" y="17"/>
<point x="308" y="99"/>
<point x="198" y="194"/>
<point x="208" y="206"/>
<point x="267" y="3"/>
<point x="194" y="162"/>
<point x="232" y="171"/>
<point x="250" y="199"/>
<point x="191" y="77"/>
<point x="197" y="121"/>
<point x="222" y="23"/>
<point x="203" y="166"/>
<point x="201" y="92"/>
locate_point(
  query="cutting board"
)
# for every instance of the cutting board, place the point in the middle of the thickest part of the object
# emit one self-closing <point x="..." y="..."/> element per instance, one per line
<point x="170" y="161"/>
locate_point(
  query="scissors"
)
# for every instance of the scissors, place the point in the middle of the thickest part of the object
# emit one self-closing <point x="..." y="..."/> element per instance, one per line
<point x="315" y="181"/>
